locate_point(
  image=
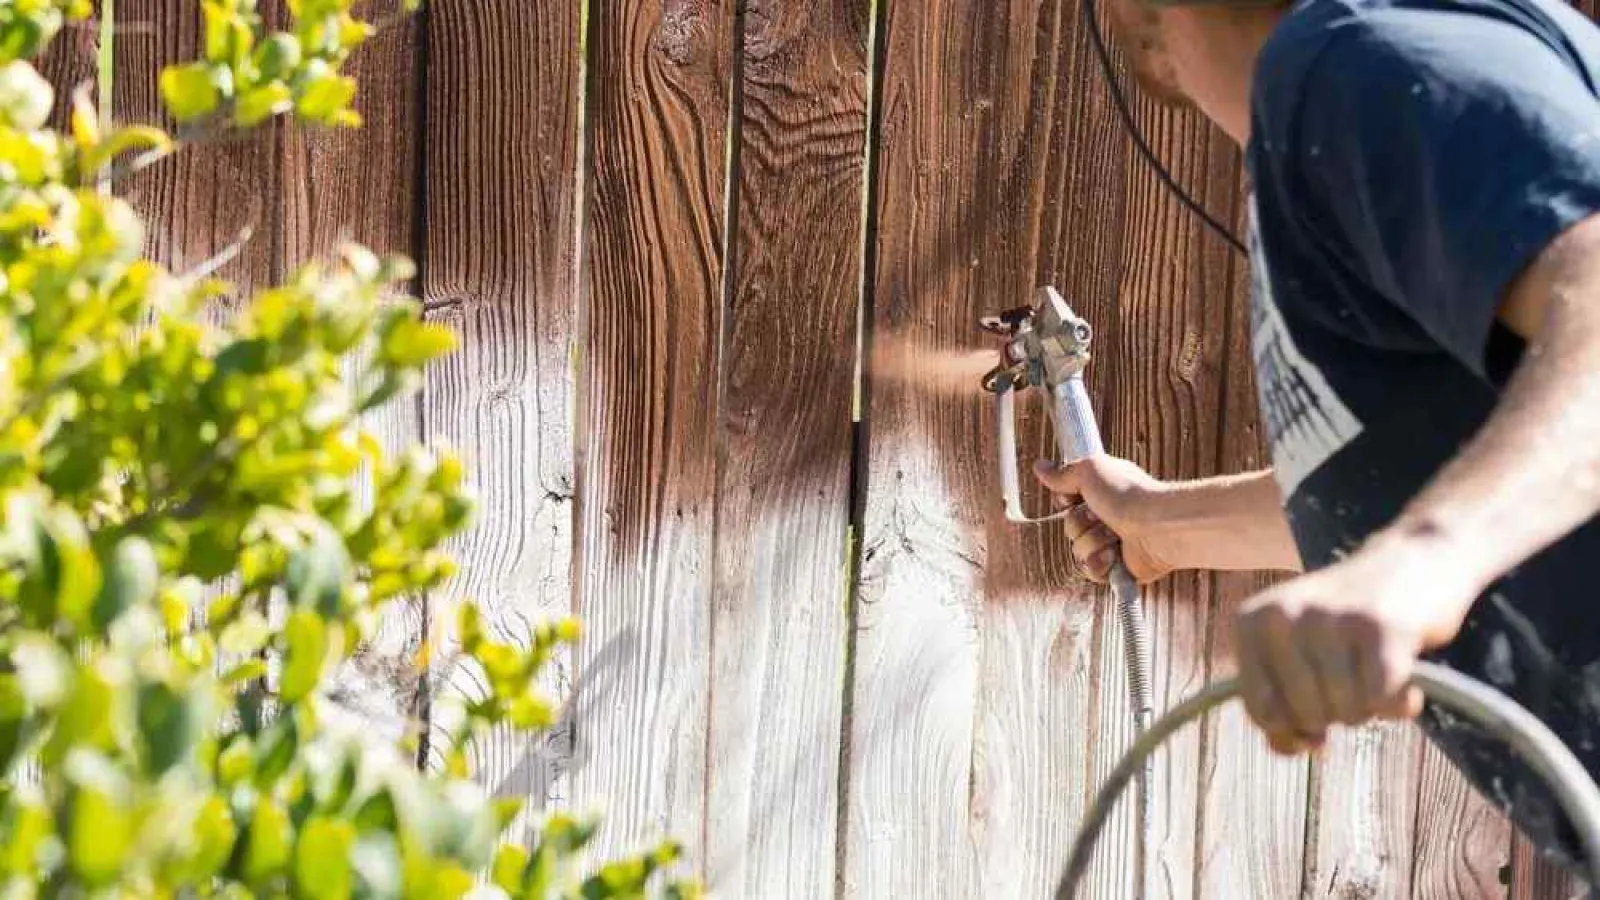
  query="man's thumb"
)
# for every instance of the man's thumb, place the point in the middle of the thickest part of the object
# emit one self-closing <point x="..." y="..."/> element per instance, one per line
<point x="1060" y="479"/>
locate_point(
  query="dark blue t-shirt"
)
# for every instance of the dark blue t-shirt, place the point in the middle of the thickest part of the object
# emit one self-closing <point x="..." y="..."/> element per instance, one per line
<point x="1409" y="158"/>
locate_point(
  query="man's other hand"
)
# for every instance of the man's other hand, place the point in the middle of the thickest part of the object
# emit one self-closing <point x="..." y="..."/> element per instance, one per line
<point x="1339" y="646"/>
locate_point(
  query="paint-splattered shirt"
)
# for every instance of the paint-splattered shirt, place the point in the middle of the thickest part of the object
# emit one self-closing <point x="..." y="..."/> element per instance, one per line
<point x="1409" y="158"/>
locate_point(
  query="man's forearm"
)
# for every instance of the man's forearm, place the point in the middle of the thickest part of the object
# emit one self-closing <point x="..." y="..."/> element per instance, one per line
<point x="1532" y="473"/>
<point x="1228" y="523"/>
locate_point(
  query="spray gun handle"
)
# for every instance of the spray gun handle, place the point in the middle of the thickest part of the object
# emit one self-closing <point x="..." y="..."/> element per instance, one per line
<point x="1077" y="438"/>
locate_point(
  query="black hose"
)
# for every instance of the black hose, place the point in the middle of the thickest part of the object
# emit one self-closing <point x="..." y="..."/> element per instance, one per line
<point x="1491" y="710"/>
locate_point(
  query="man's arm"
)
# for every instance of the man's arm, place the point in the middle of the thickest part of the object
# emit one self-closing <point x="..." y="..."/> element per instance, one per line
<point x="1226" y="523"/>
<point x="1340" y="645"/>
<point x="1532" y="474"/>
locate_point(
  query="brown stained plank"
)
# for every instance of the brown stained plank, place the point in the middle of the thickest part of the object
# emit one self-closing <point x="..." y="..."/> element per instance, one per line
<point x="659" y="118"/>
<point x="362" y="185"/>
<point x="1364" y="816"/>
<point x="71" y="62"/>
<point x="1463" y="841"/>
<point x="1253" y="802"/>
<point x="499" y="266"/>
<point x="1161" y="356"/>
<point x="1535" y="878"/>
<point x="783" y="493"/>
<point x="197" y="203"/>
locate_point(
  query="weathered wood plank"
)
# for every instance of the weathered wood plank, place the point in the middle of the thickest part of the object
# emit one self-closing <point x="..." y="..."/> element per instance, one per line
<point x="1252" y="802"/>
<point x="1535" y="878"/>
<point x="361" y="185"/>
<point x="499" y="266"/>
<point x="203" y="200"/>
<point x="1363" y="816"/>
<point x="653" y="305"/>
<point x="71" y="62"/>
<point x="1163" y="368"/>
<point x="783" y="486"/>
<point x="1463" y="841"/>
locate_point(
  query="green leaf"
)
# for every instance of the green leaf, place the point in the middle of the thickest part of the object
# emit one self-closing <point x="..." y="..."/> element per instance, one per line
<point x="85" y="718"/>
<point x="171" y="724"/>
<point x="13" y="721"/>
<point x="276" y="750"/>
<point x="259" y="104"/>
<point x="214" y="834"/>
<point x="131" y="579"/>
<point x="278" y="56"/>
<point x="318" y="570"/>
<point x="323" y="95"/>
<point x="510" y="865"/>
<point x="269" y="842"/>
<point x="411" y="343"/>
<point x="322" y="869"/>
<point x="193" y="90"/>
<point x="101" y="829"/>
<point x="306" y="653"/>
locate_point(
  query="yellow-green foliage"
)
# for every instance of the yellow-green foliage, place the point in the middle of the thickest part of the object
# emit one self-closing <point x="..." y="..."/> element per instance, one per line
<point x="185" y="554"/>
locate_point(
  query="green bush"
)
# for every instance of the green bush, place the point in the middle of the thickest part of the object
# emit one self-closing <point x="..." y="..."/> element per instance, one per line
<point x="195" y="533"/>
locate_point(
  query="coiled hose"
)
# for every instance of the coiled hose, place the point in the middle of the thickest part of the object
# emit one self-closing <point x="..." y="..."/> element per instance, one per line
<point x="1489" y="709"/>
<point x="1136" y="641"/>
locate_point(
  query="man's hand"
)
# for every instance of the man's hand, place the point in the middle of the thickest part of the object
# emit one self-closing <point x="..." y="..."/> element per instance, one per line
<point x="1229" y="523"/>
<point x="1340" y="645"/>
<point x="1114" y="508"/>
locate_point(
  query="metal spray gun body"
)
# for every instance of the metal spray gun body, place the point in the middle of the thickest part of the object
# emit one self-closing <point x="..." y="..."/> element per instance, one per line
<point x="1048" y="347"/>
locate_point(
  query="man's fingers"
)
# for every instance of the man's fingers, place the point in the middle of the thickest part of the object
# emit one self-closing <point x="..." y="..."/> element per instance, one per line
<point x="1334" y="663"/>
<point x="1386" y="678"/>
<point x="1059" y="479"/>
<point x="1080" y="519"/>
<point x="1292" y="677"/>
<point x="1260" y="698"/>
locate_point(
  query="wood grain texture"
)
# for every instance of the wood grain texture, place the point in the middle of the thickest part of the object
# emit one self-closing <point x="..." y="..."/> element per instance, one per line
<point x="1165" y="367"/>
<point x="1535" y="878"/>
<point x="1463" y="842"/>
<point x="1363" y="821"/>
<point x="499" y="266"/>
<point x="653" y="270"/>
<point x="71" y="62"/>
<point x="1252" y="837"/>
<point x="201" y="201"/>
<point x="783" y="486"/>
<point x="362" y="185"/>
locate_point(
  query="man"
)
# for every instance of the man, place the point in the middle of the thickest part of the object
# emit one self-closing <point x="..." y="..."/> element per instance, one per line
<point x="1426" y="325"/>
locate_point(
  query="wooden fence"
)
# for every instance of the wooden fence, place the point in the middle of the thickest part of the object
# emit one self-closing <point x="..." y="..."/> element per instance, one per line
<point x="667" y="230"/>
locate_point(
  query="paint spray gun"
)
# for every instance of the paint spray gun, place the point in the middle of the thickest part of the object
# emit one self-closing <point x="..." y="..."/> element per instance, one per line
<point x="1047" y="346"/>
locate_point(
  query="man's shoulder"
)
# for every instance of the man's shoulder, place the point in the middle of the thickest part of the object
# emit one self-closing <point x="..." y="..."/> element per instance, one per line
<point x="1371" y="41"/>
<point x="1397" y="58"/>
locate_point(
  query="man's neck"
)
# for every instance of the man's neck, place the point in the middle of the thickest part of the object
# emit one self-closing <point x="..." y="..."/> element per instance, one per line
<point x="1213" y="51"/>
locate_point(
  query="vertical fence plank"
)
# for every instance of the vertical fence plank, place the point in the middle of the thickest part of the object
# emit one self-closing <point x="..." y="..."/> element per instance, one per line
<point x="954" y="103"/>
<point x="658" y="104"/>
<point x="783" y="490"/>
<point x="1535" y="878"/>
<point x="361" y="185"/>
<point x="1463" y="841"/>
<point x="499" y="266"/>
<point x="1362" y="823"/>
<point x="72" y="61"/>
<point x="1253" y="803"/>
<point x="207" y="198"/>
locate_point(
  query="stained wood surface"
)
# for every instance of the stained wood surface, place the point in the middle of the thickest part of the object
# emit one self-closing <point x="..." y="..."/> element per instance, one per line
<point x="654" y="265"/>
<point x="205" y="200"/>
<point x="783" y="461"/>
<point x="1535" y="878"/>
<point x="499" y="266"/>
<point x="652" y="300"/>
<point x="1463" y="843"/>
